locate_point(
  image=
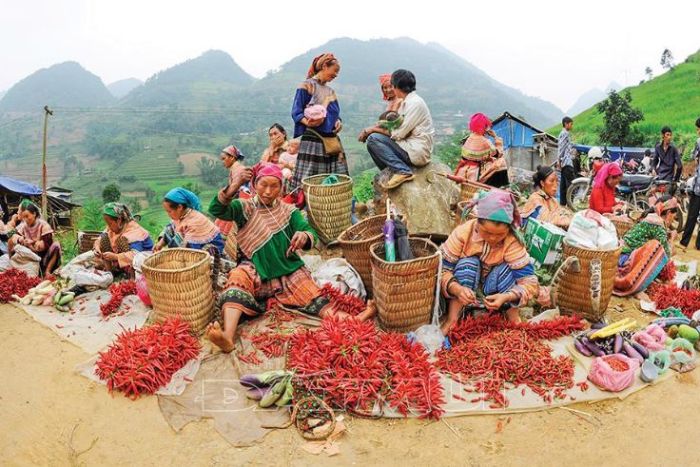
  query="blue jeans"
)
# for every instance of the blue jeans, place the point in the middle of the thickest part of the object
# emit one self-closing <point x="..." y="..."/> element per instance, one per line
<point x="386" y="153"/>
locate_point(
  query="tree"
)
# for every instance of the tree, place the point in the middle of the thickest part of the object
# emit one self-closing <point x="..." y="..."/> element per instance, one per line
<point x="667" y="60"/>
<point x="91" y="216"/>
<point x="111" y="193"/>
<point x="649" y="73"/>
<point x="618" y="117"/>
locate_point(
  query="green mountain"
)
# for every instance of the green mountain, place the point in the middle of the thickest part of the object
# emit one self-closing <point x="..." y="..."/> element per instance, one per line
<point x="123" y="87"/>
<point x="210" y="79"/>
<point x="449" y="84"/>
<point x="672" y="99"/>
<point x="66" y="84"/>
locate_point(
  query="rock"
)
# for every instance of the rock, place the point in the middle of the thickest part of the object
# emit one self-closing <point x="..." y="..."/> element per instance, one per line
<point x="426" y="201"/>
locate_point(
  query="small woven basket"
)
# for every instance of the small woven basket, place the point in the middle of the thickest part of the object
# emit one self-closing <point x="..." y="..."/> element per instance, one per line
<point x="405" y="291"/>
<point x="469" y="189"/>
<point x="355" y="242"/>
<point x="622" y="226"/>
<point x="329" y="206"/>
<point x="86" y="240"/>
<point x="574" y="288"/>
<point x="179" y="283"/>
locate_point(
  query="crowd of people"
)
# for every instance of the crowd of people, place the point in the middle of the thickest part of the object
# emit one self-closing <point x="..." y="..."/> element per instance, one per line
<point x="485" y="262"/>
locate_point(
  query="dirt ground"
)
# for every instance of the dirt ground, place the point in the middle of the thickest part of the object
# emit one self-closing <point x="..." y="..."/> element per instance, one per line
<point x="43" y="402"/>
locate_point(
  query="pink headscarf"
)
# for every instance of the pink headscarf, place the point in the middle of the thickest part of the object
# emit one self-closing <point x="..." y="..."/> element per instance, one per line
<point x="267" y="169"/>
<point x="479" y="123"/>
<point x="611" y="169"/>
<point x="384" y="79"/>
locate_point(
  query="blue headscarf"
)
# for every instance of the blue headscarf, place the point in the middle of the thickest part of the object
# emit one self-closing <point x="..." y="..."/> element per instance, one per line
<point x="185" y="197"/>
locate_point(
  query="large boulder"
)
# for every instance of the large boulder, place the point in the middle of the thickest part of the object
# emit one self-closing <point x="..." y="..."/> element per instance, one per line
<point x="427" y="201"/>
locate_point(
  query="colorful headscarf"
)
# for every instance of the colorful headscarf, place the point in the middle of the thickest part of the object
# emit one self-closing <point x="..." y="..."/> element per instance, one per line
<point x="479" y="123"/>
<point x="661" y="206"/>
<point x="233" y="151"/>
<point x="497" y="206"/>
<point x="185" y="197"/>
<point x="384" y="79"/>
<point x="25" y="203"/>
<point x="117" y="211"/>
<point x="318" y="62"/>
<point x="611" y="169"/>
<point x="269" y="170"/>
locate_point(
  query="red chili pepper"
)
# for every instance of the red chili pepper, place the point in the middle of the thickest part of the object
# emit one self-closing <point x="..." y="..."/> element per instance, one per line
<point x="117" y="291"/>
<point x="15" y="282"/>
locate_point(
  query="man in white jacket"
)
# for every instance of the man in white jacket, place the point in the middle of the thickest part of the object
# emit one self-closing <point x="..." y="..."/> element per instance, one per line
<point x="409" y="145"/>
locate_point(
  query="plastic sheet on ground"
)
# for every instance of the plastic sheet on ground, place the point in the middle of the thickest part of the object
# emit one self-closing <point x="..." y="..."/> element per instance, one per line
<point x="85" y="326"/>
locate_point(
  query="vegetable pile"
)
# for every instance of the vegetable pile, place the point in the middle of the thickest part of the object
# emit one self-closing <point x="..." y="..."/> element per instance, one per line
<point x="492" y="354"/>
<point x="118" y="291"/>
<point x="15" y="282"/>
<point x="343" y="302"/>
<point x="670" y="295"/>
<point x="351" y="365"/>
<point x="143" y="360"/>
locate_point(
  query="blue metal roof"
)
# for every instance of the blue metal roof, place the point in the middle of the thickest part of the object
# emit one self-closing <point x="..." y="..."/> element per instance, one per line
<point x="18" y="186"/>
<point x="617" y="151"/>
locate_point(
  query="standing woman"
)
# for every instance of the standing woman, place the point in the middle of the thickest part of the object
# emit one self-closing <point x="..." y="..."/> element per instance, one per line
<point x="320" y="150"/>
<point x="37" y="235"/>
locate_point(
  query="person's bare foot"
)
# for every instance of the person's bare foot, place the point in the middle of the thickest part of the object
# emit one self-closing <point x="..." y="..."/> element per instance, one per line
<point x="513" y="315"/>
<point x="216" y="336"/>
<point x="447" y="326"/>
<point x="368" y="312"/>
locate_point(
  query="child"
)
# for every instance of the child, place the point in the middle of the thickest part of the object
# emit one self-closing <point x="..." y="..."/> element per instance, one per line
<point x="390" y="120"/>
<point x="288" y="159"/>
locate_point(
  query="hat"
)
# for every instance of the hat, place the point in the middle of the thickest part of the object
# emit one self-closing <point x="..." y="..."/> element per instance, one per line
<point x="233" y="151"/>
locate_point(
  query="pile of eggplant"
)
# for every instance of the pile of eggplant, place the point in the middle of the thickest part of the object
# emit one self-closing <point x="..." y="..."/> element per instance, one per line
<point x="603" y="339"/>
<point x="269" y="388"/>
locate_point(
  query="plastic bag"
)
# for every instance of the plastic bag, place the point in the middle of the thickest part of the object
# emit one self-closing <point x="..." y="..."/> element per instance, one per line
<point x="652" y="338"/>
<point x="591" y="230"/>
<point x="93" y="278"/>
<point x="682" y="351"/>
<point x="606" y="378"/>
<point x="4" y="262"/>
<point x="142" y="290"/>
<point x="25" y="260"/>
<point x="341" y="275"/>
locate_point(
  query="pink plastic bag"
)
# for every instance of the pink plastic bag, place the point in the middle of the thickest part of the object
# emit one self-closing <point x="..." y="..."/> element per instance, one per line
<point x="606" y="378"/>
<point x="652" y="338"/>
<point x="315" y="112"/>
<point x="142" y="290"/>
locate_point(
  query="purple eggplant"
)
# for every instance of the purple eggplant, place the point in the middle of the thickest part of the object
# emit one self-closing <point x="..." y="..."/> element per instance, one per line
<point x="582" y="348"/>
<point x="631" y="352"/>
<point x="617" y="345"/>
<point x="641" y="350"/>
<point x="257" y="393"/>
<point x="593" y="347"/>
<point x="598" y="325"/>
<point x="251" y="381"/>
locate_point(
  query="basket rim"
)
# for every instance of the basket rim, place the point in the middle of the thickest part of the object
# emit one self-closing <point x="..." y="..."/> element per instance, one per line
<point x="375" y="257"/>
<point x="344" y="180"/>
<point x="365" y="220"/>
<point x="564" y="242"/>
<point x="204" y="254"/>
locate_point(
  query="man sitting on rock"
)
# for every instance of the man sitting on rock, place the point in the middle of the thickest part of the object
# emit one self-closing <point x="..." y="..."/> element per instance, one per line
<point x="409" y="145"/>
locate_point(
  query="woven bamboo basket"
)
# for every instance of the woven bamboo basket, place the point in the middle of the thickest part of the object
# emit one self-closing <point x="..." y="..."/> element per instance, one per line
<point x="355" y="242"/>
<point x="231" y="245"/>
<point x="622" y="226"/>
<point x="86" y="240"/>
<point x="460" y="210"/>
<point x="574" y="289"/>
<point x="469" y="189"/>
<point x="329" y="205"/>
<point x="405" y="291"/>
<point x="179" y="283"/>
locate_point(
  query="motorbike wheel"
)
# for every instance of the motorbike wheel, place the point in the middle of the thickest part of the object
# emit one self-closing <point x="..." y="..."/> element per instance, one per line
<point x="678" y="223"/>
<point x="577" y="195"/>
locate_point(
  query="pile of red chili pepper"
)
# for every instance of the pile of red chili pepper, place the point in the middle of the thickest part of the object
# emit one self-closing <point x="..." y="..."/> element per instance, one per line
<point x="270" y="343"/>
<point x="15" y="282"/>
<point x="352" y="365"/>
<point x="118" y="290"/>
<point x="668" y="273"/>
<point x="490" y="354"/>
<point x="350" y="304"/>
<point x="143" y="360"/>
<point x="670" y="295"/>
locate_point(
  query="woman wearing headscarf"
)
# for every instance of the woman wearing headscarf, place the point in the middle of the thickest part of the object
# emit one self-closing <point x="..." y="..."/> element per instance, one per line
<point x="121" y="240"/>
<point x="320" y="150"/>
<point x="232" y="159"/>
<point x="485" y="262"/>
<point x="541" y="204"/>
<point x="36" y="234"/>
<point x="646" y="249"/>
<point x="270" y="235"/>
<point x="482" y="158"/>
<point x="189" y="227"/>
<point x="603" y="193"/>
<point x="392" y="101"/>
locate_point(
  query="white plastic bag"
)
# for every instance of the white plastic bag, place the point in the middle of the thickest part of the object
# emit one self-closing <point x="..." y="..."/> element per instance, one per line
<point x="341" y="275"/>
<point x="93" y="278"/>
<point x="590" y="230"/>
<point x="25" y="260"/>
<point x="4" y="262"/>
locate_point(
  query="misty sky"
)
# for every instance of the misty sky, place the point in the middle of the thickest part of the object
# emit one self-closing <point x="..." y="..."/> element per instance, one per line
<point x="554" y="50"/>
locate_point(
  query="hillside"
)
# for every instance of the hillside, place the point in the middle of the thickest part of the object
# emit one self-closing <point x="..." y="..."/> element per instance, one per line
<point x="66" y="84"/>
<point x="672" y="98"/>
<point x="123" y="87"/>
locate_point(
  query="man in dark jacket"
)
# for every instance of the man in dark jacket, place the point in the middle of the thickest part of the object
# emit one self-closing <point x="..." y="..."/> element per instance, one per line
<point x="667" y="160"/>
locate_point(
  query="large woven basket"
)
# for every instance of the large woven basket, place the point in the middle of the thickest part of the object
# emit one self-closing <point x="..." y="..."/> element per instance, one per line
<point x="179" y="283"/>
<point x="622" y="226"/>
<point x="355" y="242"/>
<point x="405" y="291"/>
<point x="86" y="240"/>
<point x="574" y="289"/>
<point x="329" y="205"/>
<point x="469" y="189"/>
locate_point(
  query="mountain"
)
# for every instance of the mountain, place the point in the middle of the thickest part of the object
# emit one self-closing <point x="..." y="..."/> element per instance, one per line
<point x="2" y="93"/>
<point x="209" y="79"/>
<point x="66" y="84"/>
<point x="591" y="97"/>
<point x="449" y="84"/>
<point x="123" y="87"/>
<point x="672" y="98"/>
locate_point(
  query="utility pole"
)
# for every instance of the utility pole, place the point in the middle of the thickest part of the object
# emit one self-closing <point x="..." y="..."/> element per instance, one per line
<point x="44" y="201"/>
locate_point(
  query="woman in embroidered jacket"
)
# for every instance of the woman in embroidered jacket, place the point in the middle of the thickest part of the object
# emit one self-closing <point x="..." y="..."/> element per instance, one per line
<point x="36" y="234"/>
<point x="270" y="235"/>
<point x="485" y="257"/>
<point x="541" y="204"/>
<point x="121" y="240"/>
<point x="482" y="158"/>
<point x="189" y="227"/>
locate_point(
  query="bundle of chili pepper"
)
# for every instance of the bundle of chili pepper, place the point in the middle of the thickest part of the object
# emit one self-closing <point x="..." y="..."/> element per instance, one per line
<point x="15" y="282"/>
<point x="351" y="365"/>
<point x="118" y="291"/>
<point x="668" y="273"/>
<point x="143" y="360"/>
<point x="670" y="295"/>
<point x="350" y="304"/>
<point x="270" y="343"/>
<point x="548" y="329"/>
